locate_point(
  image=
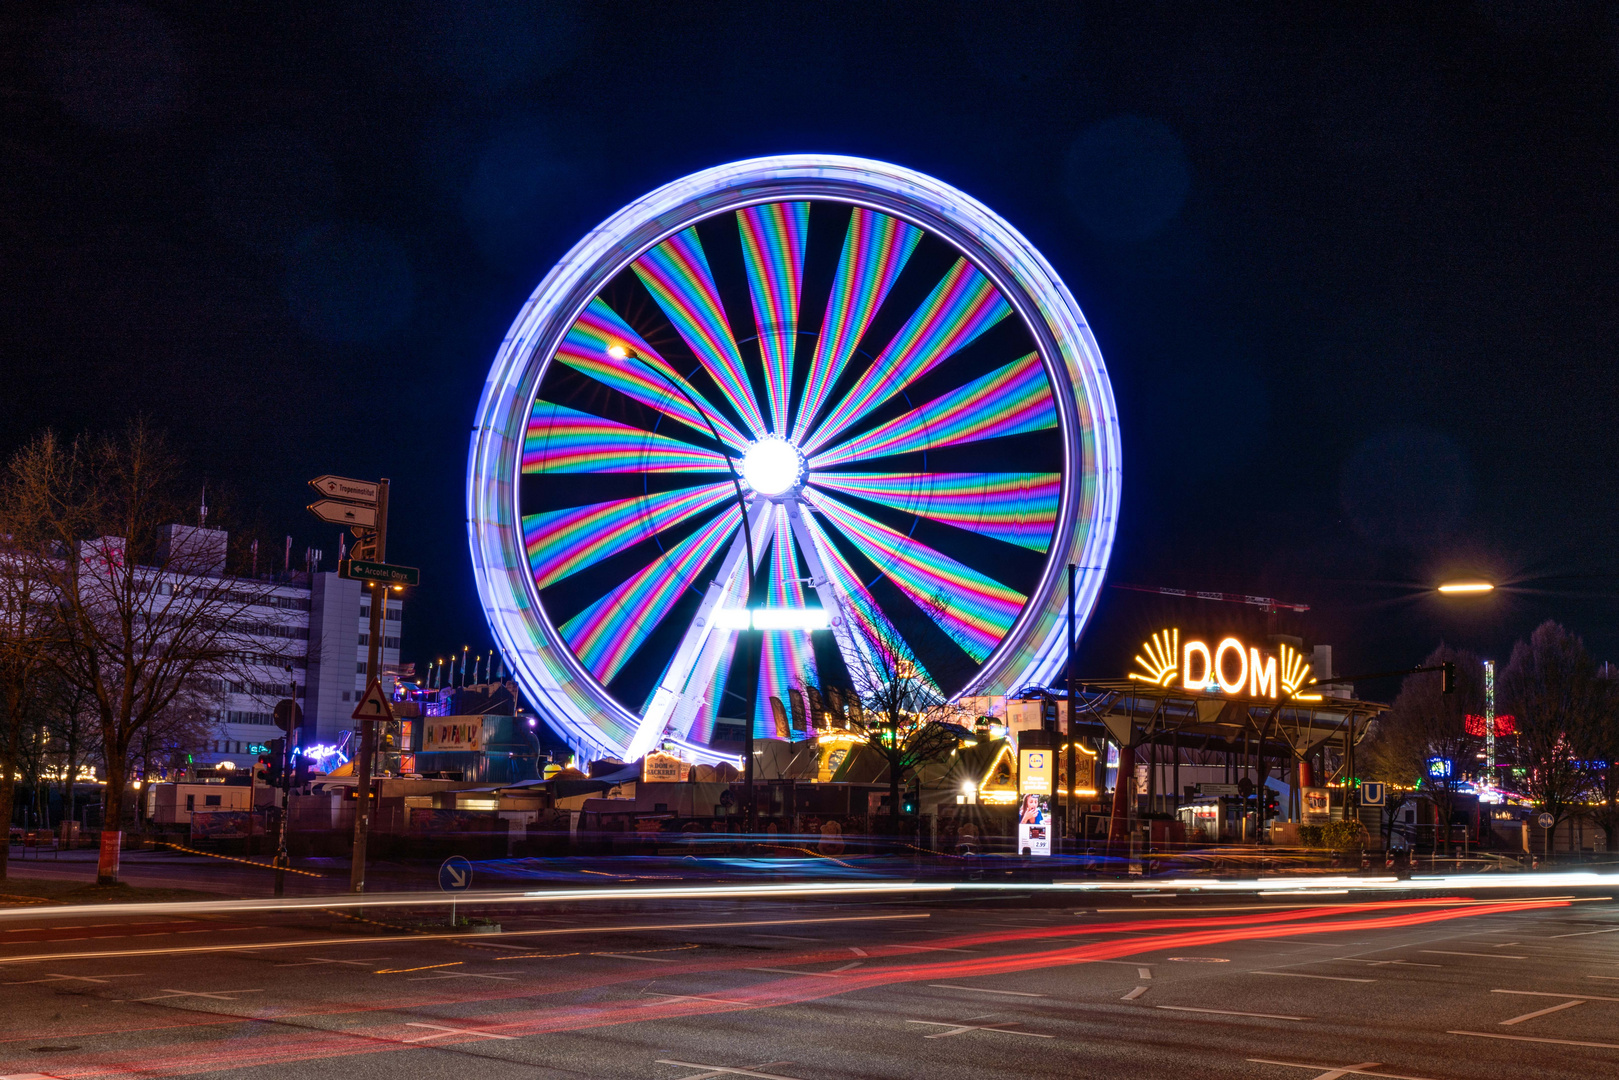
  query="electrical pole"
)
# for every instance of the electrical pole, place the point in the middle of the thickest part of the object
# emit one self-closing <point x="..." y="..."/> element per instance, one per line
<point x="368" y="728"/>
<point x="1071" y="796"/>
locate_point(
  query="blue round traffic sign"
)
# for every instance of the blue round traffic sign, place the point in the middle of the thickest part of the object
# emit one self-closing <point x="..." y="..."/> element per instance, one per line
<point x="455" y="875"/>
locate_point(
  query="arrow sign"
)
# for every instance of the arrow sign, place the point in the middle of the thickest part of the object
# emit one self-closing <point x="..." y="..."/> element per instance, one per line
<point x="341" y="487"/>
<point x="374" y="706"/>
<point x="387" y="573"/>
<point x="345" y="513"/>
<point x="455" y="875"/>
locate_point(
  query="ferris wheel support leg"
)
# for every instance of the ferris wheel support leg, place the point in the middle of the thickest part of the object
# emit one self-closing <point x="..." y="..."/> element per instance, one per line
<point x="822" y="584"/>
<point x="685" y="675"/>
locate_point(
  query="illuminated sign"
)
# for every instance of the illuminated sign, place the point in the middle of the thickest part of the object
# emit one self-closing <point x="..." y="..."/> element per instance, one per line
<point x="1229" y="667"/>
<point x="453" y="733"/>
<point x="1438" y="767"/>
<point x="1504" y="725"/>
<point x="660" y="768"/>
<point x="1034" y="771"/>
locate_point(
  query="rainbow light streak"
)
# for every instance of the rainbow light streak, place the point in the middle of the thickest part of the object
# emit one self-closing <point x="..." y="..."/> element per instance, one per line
<point x="562" y="542"/>
<point x="962" y="306"/>
<point x="773" y="249"/>
<point x="1017" y="508"/>
<point x="786" y="660"/>
<point x="585" y="349"/>
<point x="676" y="274"/>
<point x="564" y="440"/>
<point x="605" y="634"/>
<point x="858" y="604"/>
<point x="979" y="610"/>
<point x="1011" y="400"/>
<point x="874" y="252"/>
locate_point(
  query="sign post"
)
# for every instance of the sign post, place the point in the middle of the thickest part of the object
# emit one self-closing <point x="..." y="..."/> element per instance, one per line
<point x="455" y="876"/>
<point x="289" y="718"/>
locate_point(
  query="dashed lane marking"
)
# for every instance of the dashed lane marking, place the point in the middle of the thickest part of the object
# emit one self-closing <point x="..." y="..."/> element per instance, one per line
<point x="1228" y="1012"/>
<point x="983" y="990"/>
<point x="722" y="1070"/>
<point x="1542" y="1012"/>
<point x="1302" y="975"/>
<point x="962" y="1029"/>
<point x="1535" y="1039"/>
<point x="222" y="995"/>
<point x="1335" y="1072"/>
<point x="1485" y="955"/>
<point x="1132" y="995"/>
<point x="442" y="1032"/>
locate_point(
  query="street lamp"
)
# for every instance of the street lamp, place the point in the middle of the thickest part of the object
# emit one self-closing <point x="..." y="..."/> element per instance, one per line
<point x="770" y="472"/>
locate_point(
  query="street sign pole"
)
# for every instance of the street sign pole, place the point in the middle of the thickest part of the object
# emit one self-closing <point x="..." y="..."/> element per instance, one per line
<point x="289" y="712"/>
<point x="368" y="728"/>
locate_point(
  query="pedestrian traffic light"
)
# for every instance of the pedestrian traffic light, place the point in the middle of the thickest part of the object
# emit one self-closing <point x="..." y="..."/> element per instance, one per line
<point x="1448" y="677"/>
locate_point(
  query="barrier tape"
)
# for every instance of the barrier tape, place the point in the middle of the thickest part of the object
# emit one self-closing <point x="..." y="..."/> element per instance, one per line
<point x="231" y="858"/>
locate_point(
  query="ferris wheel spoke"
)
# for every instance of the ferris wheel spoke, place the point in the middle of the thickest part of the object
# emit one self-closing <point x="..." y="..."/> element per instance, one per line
<point x="786" y="658"/>
<point x="978" y="611"/>
<point x="1010" y="400"/>
<point x="963" y="305"/>
<point x="564" y="440"/>
<point x="562" y="542"/>
<point x="608" y="632"/>
<point x="874" y="252"/>
<point x="773" y="237"/>
<point x="676" y="273"/>
<point x="1017" y="508"/>
<point x="689" y="676"/>
<point x="585" y="350"/>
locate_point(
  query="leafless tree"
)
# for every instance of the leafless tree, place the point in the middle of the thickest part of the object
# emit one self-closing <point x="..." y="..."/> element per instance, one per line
<point x="144" y="611"/>
<point x="1551" y="686"/>
<point x="1426" y="724"/>
<point x="1598" y="741"/>
<point x="894" y="703"/>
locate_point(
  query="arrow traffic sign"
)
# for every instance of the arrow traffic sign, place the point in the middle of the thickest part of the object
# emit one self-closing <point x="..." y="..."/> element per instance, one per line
<point x="341" y="487"/>
<point x="455" y="875"/>
<point x="345" y="513"/>
<point x="374" y="705"/>
<point x="387" y="573"/>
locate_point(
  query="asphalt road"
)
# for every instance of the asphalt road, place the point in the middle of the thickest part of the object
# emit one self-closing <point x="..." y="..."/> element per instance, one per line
<point x="827" y="987"/>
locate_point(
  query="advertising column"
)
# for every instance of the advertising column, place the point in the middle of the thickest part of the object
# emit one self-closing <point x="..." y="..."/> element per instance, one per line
<point x="1037" y="771"/>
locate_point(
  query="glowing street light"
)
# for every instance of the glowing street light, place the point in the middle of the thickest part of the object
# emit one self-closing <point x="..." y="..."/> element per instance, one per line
<point x="1466" y="587"/>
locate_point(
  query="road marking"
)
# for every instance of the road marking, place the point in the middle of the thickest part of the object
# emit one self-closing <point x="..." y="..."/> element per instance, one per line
<point x="931" y="948"/>
<point x="633" y="956"/>
<point x="982" y="990"/>
<point x="721" y="1070"/>
<point x="71" y="978"/>
<point x="962" y="1029"/>
<point x="462" y="975"/>
<point x="1333" y="1073"/>
<point x="692" y="997"/>
<point x="1132" y="995"/>
<point x="790" y="971"/>
<point x="443" y="1031"/>
<point x="858" y="952"/>
<point x="1228" y="1012"/>
<point x="313" y="960"/>
<point x="220" y="996"/>
<point x="1542" y="1012"/>
<point x="1143" y="973"/>
<point x="1200" y="959"/>
<point x="1485" y="955"/>
<point x="785" y="937"/>
<point x="304" y="943"/>
<point x="424" y="967"/>
<point x="1548" y="993"/>
<point x="1302" y="975"/>
<point x="1585" y="933"/>
<point x="1375" y="963"/>
<point x="1534" y="1039"/>
<point x="846" y="967"/>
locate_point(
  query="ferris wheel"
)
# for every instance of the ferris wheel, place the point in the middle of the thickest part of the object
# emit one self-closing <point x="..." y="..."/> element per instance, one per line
<point x="827" y="398"/>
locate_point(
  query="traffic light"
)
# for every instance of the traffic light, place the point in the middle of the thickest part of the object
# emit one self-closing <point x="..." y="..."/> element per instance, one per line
<point x="300" y="771"/>
<point x="1448" y="677"/>
<point x="275" y="773"/>
<point x="1270" y="804"/>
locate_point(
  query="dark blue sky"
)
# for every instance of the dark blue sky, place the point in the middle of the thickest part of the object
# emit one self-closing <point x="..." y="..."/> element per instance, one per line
<point x="1352" y="267"/>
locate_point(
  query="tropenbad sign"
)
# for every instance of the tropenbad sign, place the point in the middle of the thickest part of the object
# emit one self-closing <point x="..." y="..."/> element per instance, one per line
<point x="1227" y="667"/>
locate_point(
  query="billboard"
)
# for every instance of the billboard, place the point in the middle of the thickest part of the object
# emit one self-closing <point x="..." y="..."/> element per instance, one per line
<point x="1034" y="825"/>
<point x="441" y="734"/>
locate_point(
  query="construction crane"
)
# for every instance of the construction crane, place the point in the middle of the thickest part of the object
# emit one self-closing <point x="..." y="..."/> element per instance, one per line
<point x="1268" y="604"/>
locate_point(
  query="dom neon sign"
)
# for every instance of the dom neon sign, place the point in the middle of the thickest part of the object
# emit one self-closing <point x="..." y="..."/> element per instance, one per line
<point x="1228" y="667"/>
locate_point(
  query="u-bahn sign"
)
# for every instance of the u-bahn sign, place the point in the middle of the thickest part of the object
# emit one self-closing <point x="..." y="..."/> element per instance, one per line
<point x="1227" y="667"/>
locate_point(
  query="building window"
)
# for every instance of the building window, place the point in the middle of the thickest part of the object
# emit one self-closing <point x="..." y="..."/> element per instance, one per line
<point x="345" y="695"/>
<point x="211" y="800"/>
<point x="359" y="668"/>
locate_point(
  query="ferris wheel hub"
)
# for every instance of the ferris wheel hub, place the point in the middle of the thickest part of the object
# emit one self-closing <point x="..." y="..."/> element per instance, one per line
<point x="774" y="467"/>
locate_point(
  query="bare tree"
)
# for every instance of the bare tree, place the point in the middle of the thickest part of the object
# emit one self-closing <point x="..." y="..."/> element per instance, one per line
<point x="1598" y="742"/>
<point x="893" y="703"/>
<point x="144" y="610"/>
<point x="1551" y="686"/>
<point x="1426" y="725"/>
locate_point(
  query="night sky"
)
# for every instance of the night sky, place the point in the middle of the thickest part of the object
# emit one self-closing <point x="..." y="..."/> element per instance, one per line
<point x="1352" y="267"/>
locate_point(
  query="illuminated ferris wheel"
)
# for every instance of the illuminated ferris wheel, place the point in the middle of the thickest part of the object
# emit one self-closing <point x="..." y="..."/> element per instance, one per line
<point x="909" y="400"/>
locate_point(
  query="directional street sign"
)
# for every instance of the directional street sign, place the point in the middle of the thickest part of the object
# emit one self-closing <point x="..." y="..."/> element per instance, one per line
<point x="345" y="513"/>
<point x="374" y="705"/>
<point x="455" y="875"/>
<point x="1373" y="793"/>
<point x="387" y="573"/>
<point x="1546" y="820"/>
<point x="288" y="715"/>
<point x="1218" y="789"/>
<point x="341" y="487"/>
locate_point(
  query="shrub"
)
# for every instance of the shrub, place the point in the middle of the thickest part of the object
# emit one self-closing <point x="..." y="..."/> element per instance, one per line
<point x="1336" y="835"/>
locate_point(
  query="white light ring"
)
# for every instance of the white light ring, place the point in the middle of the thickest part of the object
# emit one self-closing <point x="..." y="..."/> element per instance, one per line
<point x="1033" y="649"/>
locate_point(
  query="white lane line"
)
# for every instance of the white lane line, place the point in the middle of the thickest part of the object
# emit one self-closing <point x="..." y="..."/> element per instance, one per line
<point x="1534" y="1039"/>
<point x="632" y="956"/>
<point x="1542" y="1012"/>
<point x="1376" y="963"/>
<point x="721" y="1070"/>
<point x="1333" y="1073"/>
<point x="961" y="1029"/>
<point x="982" y="990"/>
<point x="1585" y="933"/>
<point x="691" y="997"/>
<point x="1485" y="955"/>
<point x="462" y="975"/>
<point x="790" y="971"/>
<point x="220" y="996"/>
<point x="857" y="951"/>
<point x="931" y="948"/>
<point x="846" y="967"/>
<point x="784" y="937"/>
<point x="1302" y="975"/>
<point x="1228" y="1012"/>
<point x="444" y="1031"/>
<point x="52" y="977"/>
<point x="313" y="960"/>
<point x="1132" y="995"/>
<point x="1143" y="973"/>
<point x="1548" y="993"/>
